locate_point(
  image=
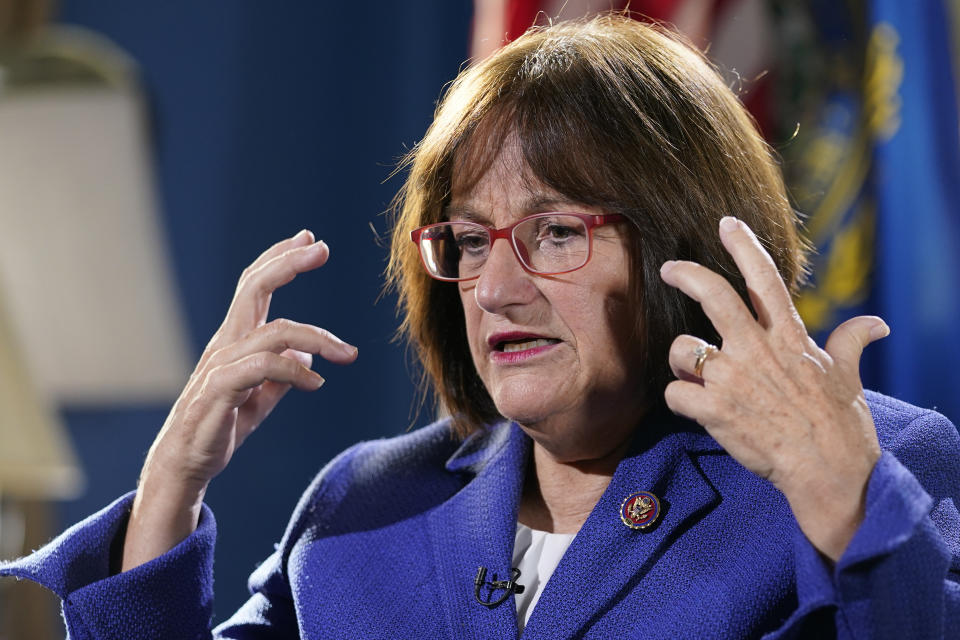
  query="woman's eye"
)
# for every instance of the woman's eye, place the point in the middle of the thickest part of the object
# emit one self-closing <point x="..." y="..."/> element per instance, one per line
<point x="472" y="242"/>
<point x="557" y="232"/>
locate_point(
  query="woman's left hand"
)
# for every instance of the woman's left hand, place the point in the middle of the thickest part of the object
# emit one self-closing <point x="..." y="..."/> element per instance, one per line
<point x="786" y="409"/>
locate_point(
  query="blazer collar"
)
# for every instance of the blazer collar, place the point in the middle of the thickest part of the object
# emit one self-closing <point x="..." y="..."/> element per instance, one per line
<point x="476" y="527"/>
<point x="607" y="559"/>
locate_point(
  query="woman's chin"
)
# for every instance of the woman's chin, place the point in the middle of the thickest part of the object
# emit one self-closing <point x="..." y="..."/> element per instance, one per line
<point x="526" y="404"/>
<point x="544" y="422"/>
<point x="523" y="417"/>
<point x="529" y="397"/>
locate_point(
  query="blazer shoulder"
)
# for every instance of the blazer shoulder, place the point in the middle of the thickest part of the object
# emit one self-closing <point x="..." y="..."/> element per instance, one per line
<point x="893" y="416"/>
<point x="923" y="440"/>
<point x="385" y="479"/>
<point x="893" y="407"/>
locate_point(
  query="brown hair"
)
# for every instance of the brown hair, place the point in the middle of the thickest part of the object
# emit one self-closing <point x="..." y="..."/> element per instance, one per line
<point x="615" y="114"/>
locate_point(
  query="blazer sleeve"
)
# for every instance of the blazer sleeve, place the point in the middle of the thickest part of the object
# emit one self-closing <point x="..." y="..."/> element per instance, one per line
<point x="900" y="575"/>
<point x="169" y="597"/>
<point x="172" y="595"/>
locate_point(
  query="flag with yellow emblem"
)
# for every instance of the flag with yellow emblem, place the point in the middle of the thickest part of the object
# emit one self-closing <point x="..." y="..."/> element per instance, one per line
<point x="878" y="172"/>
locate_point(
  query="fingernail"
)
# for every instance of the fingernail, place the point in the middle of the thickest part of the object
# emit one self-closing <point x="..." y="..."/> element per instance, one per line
<point x="728" y="224"/>
<point x="349" y="349"/>
<point x="317" y="380"/>
<point x="879" y="331"/>
<point x="301" y="234"/>
<point x="667" y="267"/>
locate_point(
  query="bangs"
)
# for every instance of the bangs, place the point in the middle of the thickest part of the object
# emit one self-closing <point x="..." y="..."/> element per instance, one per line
<point x="480" y="147"/>
<point x="564" y="142"/>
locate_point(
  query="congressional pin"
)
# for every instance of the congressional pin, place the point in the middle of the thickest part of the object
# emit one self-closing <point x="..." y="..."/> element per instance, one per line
<point x="640" y="510"/>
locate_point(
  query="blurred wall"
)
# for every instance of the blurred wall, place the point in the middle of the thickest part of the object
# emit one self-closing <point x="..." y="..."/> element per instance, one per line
<point x="271" y="117"/>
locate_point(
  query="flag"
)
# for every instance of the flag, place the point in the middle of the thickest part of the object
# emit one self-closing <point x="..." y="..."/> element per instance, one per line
<point x="911" y="89"/>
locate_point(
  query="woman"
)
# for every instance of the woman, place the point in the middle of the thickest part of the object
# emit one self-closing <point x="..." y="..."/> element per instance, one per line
<point x="574" y="261"/>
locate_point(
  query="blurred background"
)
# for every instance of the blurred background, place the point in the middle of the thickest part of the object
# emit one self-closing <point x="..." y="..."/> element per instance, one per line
<point x="150" y="151"/>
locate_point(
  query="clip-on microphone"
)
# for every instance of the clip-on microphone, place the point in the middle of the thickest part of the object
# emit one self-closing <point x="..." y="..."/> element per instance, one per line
<point x="509" y="586"/>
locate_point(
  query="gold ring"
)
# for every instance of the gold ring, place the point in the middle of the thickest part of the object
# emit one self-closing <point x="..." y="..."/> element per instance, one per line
<point x="702" y="352"/>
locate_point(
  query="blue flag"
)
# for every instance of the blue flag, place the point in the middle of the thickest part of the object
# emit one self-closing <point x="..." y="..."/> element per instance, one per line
<point x="878" y="172"/>
<point x="911" y="90"/>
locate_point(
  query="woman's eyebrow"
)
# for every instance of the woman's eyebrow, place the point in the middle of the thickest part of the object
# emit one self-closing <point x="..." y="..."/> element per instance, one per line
<point x="463" y="212"/>
<point x="536" y="203"/>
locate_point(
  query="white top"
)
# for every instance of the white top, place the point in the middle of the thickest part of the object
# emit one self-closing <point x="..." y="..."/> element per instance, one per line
<point x="536" y="554"/>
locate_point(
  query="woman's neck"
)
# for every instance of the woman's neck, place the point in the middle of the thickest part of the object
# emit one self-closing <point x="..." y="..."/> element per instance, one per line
<point x="558" y="496"/>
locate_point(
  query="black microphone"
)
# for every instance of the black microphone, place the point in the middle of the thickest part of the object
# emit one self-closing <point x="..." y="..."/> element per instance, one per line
<point x="509" y="586"/>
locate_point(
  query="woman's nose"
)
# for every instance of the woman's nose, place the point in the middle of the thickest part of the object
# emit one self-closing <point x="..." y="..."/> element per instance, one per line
<point x="503" y="281"/>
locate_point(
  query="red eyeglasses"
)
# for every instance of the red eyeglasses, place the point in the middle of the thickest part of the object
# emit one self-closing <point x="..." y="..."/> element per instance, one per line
<point x="544" y="243"/>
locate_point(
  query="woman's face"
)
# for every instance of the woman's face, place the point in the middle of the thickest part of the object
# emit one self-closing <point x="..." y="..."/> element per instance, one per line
<point x="554" y="352"/>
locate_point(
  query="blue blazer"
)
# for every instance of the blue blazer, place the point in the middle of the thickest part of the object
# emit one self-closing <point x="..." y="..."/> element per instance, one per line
<point x="387" y="540"/>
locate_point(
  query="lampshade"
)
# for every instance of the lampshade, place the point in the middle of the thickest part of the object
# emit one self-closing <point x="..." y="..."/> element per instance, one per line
<point x="83" y="264"/>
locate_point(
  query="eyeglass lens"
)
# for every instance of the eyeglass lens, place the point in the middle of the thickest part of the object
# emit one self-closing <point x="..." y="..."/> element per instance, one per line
<point x="544" y="244"/>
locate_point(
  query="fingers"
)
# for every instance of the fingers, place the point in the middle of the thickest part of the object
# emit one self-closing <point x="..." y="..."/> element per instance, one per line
<point x="768" y="293"/>
<point x="257" y="407"/>
<point x="274" y="268"/>
<point x="292" y="338"/>
<point x="847" y="342"/>
<point x="724" y="308"/>
<point x="281" y="269"/>
<point x="302" y="238"/>
<point x="729" y="315"/>
<point x="259" y="390"/>
<point x="232" y="383"/>
<point x="684" y="357"/>
<point x="303" y="358"/>
<point x="688" y="399"/>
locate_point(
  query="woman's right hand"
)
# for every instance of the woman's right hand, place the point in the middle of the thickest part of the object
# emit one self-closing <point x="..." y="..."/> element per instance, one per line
<point x="244" y="371"/>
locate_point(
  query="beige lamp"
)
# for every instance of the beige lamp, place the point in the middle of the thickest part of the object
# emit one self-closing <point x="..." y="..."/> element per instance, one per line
<point x="36" y="460"/>
<point x="88" y="310"/>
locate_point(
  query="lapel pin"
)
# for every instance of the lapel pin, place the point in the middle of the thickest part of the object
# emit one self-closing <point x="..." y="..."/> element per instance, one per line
<point x="640" y="510"/>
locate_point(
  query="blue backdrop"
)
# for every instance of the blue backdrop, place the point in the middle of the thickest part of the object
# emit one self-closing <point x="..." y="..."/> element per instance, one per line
<point x="269" y="117"/>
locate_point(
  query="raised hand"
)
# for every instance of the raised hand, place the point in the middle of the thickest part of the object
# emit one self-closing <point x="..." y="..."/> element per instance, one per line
<point x="786" y="409"/>
<point x="244" y="371"/>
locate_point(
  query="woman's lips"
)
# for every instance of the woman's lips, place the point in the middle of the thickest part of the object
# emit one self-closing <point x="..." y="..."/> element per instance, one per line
<point x="514" y="357"/>
<point x="511" y="347"/>
<point x="514" y="347"/>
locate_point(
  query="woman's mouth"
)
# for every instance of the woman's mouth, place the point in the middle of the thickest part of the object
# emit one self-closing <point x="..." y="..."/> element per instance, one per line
<point x="510" y="347"/>
<point x="515" y="347"/>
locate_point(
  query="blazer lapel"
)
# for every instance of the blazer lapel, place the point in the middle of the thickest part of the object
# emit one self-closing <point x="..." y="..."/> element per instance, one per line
<point x="607" y="559"/>
<point x="476" y="527"/>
